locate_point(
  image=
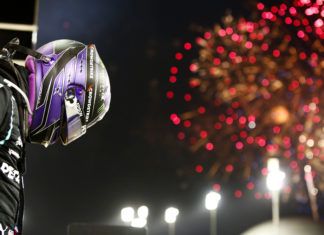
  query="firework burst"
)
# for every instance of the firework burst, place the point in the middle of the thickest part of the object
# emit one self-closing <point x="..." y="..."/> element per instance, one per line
<point x="254" y="90"/>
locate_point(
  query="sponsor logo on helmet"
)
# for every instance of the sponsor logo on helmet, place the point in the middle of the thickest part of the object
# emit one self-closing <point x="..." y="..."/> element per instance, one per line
<point x="10" y="172"/>
<point x="91" y="73"/>
<point x="90" y="91"/>
<point x="83" y="129"/>
<point x="81" y="65"/>
<point x="79" y="109"/>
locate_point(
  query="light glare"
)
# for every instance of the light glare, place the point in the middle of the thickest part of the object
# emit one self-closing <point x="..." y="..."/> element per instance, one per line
<point x="127" y="214"/>
<point x="139" y="223"/>
<point x="143" y="212"/>
<point x="275" y="180"/>
<point x="170" y="215"/>
<point x="212" y="200"/>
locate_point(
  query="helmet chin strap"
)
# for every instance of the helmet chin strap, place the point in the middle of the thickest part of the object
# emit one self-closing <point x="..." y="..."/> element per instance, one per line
<point x="7" y="53"/>
<point x="31" y="52"/>
<point x="11" y="47"/>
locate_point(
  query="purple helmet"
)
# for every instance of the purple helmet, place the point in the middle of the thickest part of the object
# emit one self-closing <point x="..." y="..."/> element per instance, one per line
<point x="68" y="94"/>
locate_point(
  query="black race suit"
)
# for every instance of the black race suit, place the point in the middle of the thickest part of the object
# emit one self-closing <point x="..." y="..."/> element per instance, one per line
<point x="11" y="152"/>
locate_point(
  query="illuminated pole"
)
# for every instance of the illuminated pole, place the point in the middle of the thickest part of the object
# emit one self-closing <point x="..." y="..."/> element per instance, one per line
<point x="170" y="216"/>
<point x="274" y="183"/>
<point x="275" y="211"/>
<point x="211" y="203"/>
<point x="312" y="191"/>
<point x="213" y="222"/>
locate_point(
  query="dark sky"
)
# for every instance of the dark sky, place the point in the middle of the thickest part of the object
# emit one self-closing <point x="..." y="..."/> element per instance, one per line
<point x="129" y="158"/>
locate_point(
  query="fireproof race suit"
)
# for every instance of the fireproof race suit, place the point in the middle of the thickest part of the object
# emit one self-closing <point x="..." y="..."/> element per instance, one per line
<point x="11" y="148"/>
<point x="11" y="159"/>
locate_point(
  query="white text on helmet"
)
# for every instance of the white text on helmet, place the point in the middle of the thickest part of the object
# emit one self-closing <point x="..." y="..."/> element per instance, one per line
<point x="91" y="75"/>
<point x="79" y="109"/>
<point x="89" y="104"/>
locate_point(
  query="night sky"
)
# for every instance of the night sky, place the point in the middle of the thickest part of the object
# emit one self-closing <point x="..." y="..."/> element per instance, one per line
<point x="131" y="157"/>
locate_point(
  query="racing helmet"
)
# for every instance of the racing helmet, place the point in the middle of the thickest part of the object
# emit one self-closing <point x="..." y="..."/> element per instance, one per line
<point x="69" y="91"/>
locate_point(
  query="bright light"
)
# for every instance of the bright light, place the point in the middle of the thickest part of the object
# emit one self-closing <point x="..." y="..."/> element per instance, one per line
<point x="275" y="177"/>
<point x="308" y="169"/>
<point x="127" y="214"/>
<point x="273" y="164"/>
<point x="143" y="212"/>
<point x="139" y="223"/>
<point x="170" y="215"/>
<point x="212" y="200"/>
<point x="275" y="180"/>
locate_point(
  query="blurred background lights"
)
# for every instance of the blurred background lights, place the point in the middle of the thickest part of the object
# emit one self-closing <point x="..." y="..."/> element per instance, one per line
<point x="170" y="215"/>
<point x="139" y="222"/>
<point x="275" y="177"/>
<point x="257" y="92"/>
<point x="279" y="114"/>
<point x="127" y="214"/>
<point x="273" y="164"/>
<point x="275" y="180"/>
<point x="143" y="212"/>
<point x="212" y="199"/>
